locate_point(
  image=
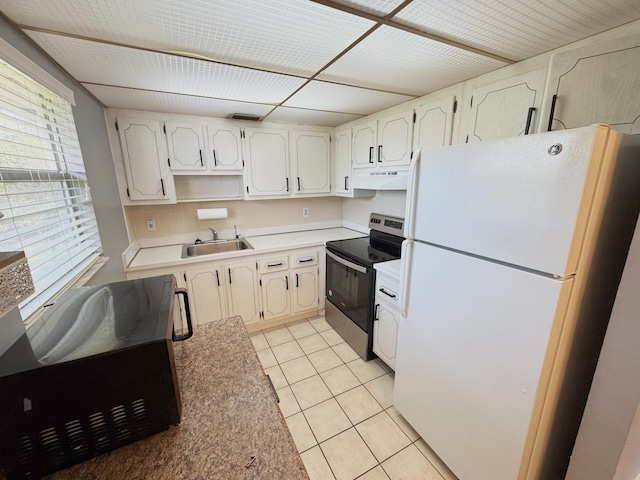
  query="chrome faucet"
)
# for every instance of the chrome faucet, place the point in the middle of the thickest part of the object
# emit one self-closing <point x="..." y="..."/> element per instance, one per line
<point x="235" y="229"/>
<point x="214" y="234"/>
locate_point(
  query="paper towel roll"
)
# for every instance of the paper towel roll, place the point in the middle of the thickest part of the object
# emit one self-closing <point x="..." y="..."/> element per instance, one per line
<point x="211" y="213"/>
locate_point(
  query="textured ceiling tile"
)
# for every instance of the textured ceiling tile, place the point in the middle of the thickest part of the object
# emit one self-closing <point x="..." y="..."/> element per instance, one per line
<point x="93" y="62"/>
<point x="287" y="36"/>
<point x="172" y="103"/>
<point x="343" y="98"/>
<point x="375" y="7"/>
<point x="517" y="30"/>
<point x="393" y="60"/>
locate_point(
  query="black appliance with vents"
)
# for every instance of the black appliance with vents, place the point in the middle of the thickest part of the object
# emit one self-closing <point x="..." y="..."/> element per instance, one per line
<point x="351" y="279"/>
<point x="95" y="372"/>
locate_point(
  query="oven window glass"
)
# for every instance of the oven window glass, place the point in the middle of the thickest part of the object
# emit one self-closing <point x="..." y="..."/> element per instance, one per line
<point x="349" y="290"/>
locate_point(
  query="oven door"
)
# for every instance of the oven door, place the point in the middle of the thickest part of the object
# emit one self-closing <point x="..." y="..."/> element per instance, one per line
<point x="349" y="288"/>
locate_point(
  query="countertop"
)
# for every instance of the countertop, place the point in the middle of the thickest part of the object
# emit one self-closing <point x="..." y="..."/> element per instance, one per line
<point x="392" y="267"/>
<point x="228" y="414"/>
<point x="170" y="255"/>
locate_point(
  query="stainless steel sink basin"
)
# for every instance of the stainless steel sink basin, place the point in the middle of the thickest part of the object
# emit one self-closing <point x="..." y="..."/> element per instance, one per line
<point x="217" y="246"/>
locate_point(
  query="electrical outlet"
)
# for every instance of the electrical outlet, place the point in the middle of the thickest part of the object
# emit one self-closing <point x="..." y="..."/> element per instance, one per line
<point x="151" y="224"/>
<point x="305" y="212"/>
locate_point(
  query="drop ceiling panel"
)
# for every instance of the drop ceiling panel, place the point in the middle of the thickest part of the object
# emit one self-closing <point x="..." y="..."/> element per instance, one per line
<point x="375" y="7"/>
<point x="301" y="116"/>
<point x="517" y="30"/>
<point x="287" y="36"/>
<point x="343" y="98"/>
<point x="172" y="103"/>
<point x="397" y="61"/>
<point x="93" y="62"/>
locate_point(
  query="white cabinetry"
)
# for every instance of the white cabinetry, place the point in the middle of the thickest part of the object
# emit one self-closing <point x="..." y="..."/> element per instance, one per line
<point x="224" y="148"/>
<point x="343" y="161"/>
<point x="243" y="295"/>
<point x="186" y="146"/>
<point x="594" y="84"/>
<point x="434" y="124"/>
<point x="306" y="280"/>
<point x="144" y="158"/>
<point x="311" y="162"/>
<point x="274" y="281"/>
<point x="507" y="107"/>
<point x="387" y="312"/>
<point x="268" y="161"/>
<point x="206" y="287"/>
<point x="383" y="143"/>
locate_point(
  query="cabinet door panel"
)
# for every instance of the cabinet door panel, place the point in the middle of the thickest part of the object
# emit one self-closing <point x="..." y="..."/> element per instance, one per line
<point x="305" y="289"/>
<point x="394" y="139"/>
<point x="343" y="161"/>
<point x="186" y="145"/>
<point x="206" y="288"/>
<point x="268" y="156"/>
<point x="225" y="152"/>
<point x="434" y="124"/>
<point x="385" y="333"/>
<point x="312" y="151"/>
<point x="364" y="141"/>
<point x="502" y="109"/>
<point x="242" y="291"/>
<point x="595" y="84"/>
<point x="275" y="295"/>
<point x="144" y="157"/>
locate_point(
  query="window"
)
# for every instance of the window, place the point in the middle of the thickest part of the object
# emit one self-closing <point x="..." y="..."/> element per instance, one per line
<point x="44" y="194"/>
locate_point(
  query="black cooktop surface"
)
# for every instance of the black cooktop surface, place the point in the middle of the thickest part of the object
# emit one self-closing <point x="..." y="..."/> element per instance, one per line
<point x="368" y="250"/>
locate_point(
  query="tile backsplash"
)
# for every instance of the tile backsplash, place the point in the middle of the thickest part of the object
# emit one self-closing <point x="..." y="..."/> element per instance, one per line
<point x="181" y="218"/>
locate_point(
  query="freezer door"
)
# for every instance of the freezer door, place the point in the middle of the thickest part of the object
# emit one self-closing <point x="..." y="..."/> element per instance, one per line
<point x="523" y="201"/>
<point x="470" y="355"/>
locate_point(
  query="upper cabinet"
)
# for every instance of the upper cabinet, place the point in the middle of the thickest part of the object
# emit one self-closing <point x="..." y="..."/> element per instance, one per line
<point x="383" y="143"/>
<point x="144" y="158"/>
<point x="224" y="148"/>
<point x="196" y="148"/>
<point x="342" y="161"/>
<point x="595" y="84"/>
<point x="506" y="107"/>
<point x="311" y="162"/>
<point x="267" y="151"/>
<point x="186" y="146"/>
<point x="434" y="124"/>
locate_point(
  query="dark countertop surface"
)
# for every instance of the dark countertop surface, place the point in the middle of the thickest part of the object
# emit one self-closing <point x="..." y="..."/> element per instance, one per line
<point x="229" y="413"/>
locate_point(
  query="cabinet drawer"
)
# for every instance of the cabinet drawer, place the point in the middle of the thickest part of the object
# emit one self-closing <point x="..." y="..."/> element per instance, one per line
<point x="274" y="264"/>
<point x="387" y="290"/>
<point x="304" y="259"/>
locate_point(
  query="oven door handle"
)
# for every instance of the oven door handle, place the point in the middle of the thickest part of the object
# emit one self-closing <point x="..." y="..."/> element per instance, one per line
<point x="184" y="336"/>
<point x="347" y="263"/>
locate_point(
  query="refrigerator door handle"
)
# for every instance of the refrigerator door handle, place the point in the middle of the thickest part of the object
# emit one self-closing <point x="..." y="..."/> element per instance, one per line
<point x="412" y="188"/>
<point x="405" y="272"/>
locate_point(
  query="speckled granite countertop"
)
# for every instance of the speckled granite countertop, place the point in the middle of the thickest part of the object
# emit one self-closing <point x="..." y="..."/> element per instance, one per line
<point x="228" y="414"/>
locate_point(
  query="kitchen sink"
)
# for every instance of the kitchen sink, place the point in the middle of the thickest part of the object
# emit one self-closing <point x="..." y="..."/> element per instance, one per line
<point x="216" y="246"/>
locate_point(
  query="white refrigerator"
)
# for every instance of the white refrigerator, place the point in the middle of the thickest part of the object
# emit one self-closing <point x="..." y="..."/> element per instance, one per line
<point x="514" y="251"/>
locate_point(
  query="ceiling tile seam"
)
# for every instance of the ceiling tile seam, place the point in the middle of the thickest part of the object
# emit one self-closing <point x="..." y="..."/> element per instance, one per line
<point x="390" y="23"/>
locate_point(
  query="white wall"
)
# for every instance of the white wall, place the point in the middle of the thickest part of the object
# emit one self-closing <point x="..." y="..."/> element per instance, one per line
<point x="94" y="143"/>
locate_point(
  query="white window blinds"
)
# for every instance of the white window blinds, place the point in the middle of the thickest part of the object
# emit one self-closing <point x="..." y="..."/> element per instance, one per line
<point x="44" y="194"/>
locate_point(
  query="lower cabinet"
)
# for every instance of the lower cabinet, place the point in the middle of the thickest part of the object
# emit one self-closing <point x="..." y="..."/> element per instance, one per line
<point x="265" y="290"/>
<point x="387" y="317"/>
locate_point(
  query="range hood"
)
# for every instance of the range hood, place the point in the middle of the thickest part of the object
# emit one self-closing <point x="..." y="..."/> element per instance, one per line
<point x="390" y="180"/>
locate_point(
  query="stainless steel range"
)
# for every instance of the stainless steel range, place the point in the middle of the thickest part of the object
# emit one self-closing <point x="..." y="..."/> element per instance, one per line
<point x="351" y="279"/>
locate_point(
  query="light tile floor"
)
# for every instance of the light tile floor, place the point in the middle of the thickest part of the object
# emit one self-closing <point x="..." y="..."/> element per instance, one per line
<point x="339" y="408"/>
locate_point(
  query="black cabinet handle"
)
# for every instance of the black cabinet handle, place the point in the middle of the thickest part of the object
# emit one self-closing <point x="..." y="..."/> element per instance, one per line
<point x="187" y="313"/>
<point x="229" y="275"/>
<point x="392" y="295"/>
<point x="370" y="154"/>
<point x="553" y="109"/>
<point x="297" y="281"/>
<point x="380" y="153"/>
<point x="306" y="260"/>
<point x="529" y="118"/>
<point x="218" y="277"/>
<point x="376" y="315"/>
<point x="287" y="184"/>
<point x="201" y="162"/>
<point x="215" y="159"/>
<point x="162" y="185"/>
<point x="345" y="183"/>
<point x="298" y="183"/>
<point x="277" y="264"/>
<point x="286" y="278"/>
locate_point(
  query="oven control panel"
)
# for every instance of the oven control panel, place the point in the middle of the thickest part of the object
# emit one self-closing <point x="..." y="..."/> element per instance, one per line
<point x="385" y="223"/>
